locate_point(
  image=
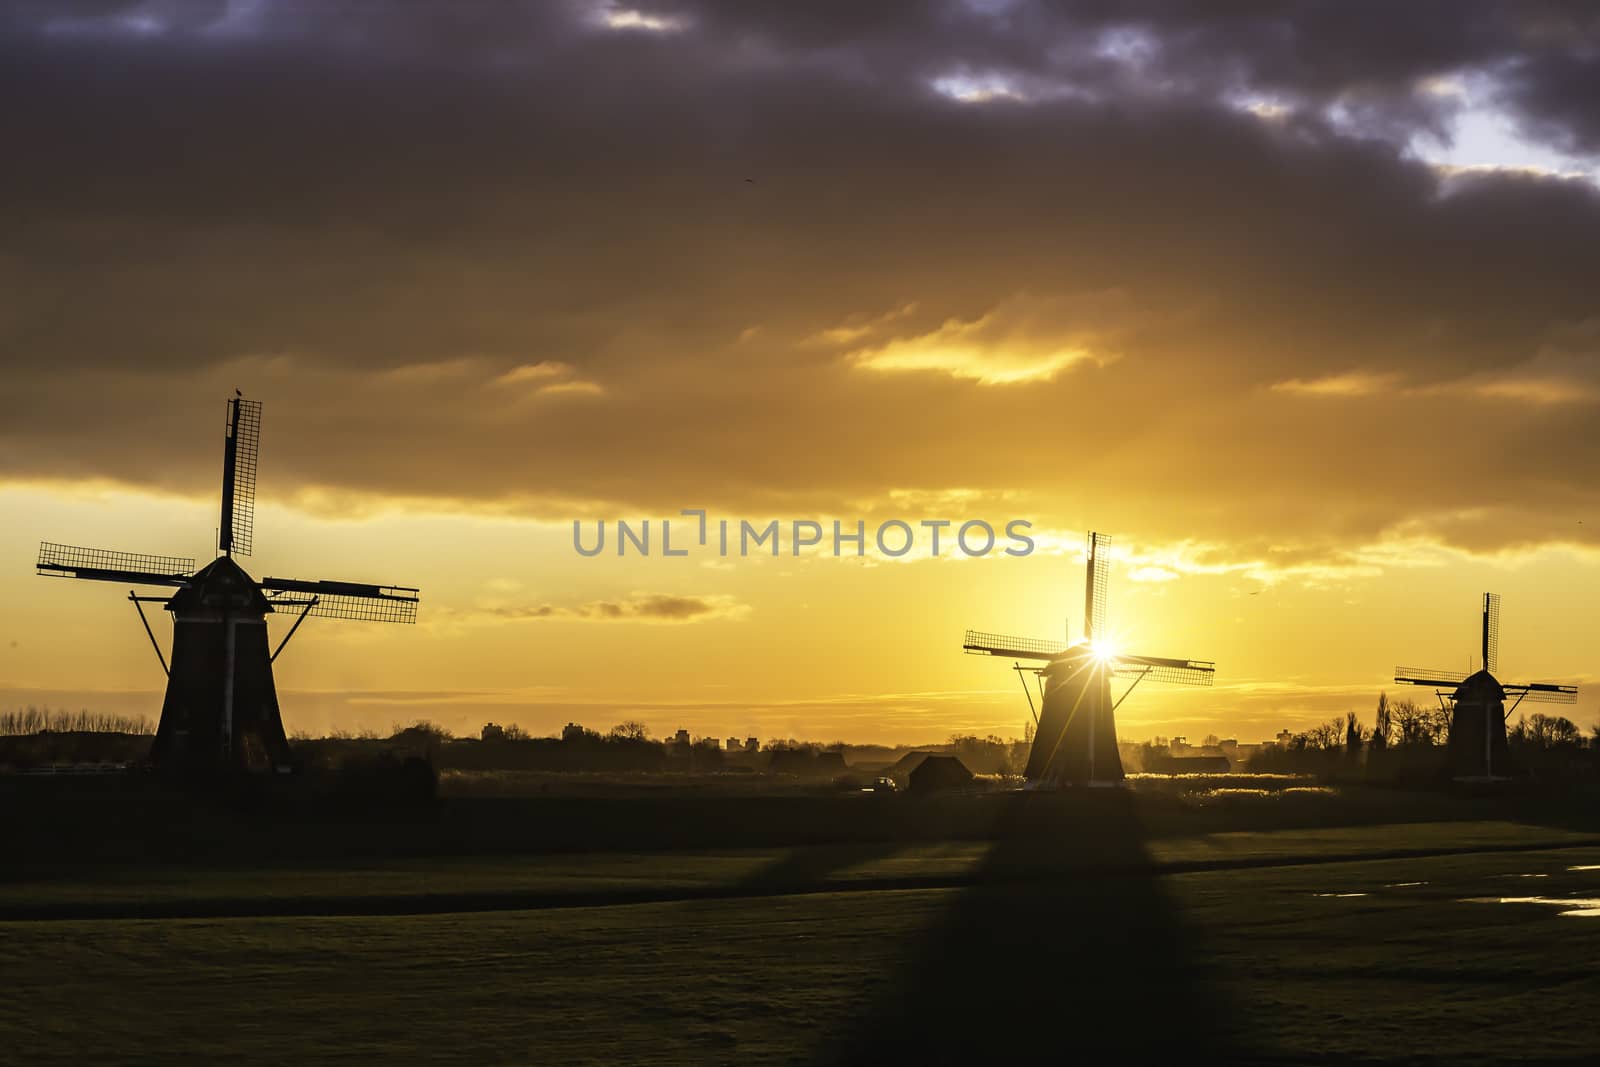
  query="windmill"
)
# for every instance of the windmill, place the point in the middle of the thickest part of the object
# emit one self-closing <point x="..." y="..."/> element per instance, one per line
<point x="1477" y="701"/>
<point x="220" y="712"/>
<point x="1075" y="742"/>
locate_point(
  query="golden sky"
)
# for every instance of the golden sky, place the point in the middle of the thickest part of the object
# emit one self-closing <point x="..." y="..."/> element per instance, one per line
<point x="1301" y="312"/>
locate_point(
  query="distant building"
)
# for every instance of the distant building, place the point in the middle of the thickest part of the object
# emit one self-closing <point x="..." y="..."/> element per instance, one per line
<point x="937" y="773"/>
<point x="752" y="744"/>
<point x="735" y="745"/>
<point x="1284" y="737"/>
<point x="681" y="737"/>
<point x="710" y="742"/>
<point x="572" y="732"/>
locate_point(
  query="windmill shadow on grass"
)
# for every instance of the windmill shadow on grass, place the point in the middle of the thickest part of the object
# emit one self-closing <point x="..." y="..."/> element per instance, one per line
<point x="1063" y="945"/>
<point x="811" y="866"/>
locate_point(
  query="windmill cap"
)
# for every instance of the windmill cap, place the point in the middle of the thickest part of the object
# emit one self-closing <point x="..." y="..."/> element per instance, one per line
<point x="220" y="584"/>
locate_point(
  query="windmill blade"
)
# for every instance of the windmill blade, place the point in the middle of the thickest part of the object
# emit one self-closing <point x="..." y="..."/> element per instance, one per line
<point x="1545" y="692"/>
<point x="1162" y="669"/>
<point x="979" y="643"/>
<point x="344" y="600"/>
<point x="1491" y="632"/>
<point x="241" y="447"/>
<point x="1424" y="676"/>
<point x="109" y="565"/>
<point x="1094" y="587"/>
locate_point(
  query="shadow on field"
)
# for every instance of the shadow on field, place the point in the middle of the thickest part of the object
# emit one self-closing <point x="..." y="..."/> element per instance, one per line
<point x="1036" y="957"/>
<point x="805" y="867"/>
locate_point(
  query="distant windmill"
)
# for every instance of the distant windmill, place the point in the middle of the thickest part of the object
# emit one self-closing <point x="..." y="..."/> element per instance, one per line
<point x="221" y="707"/>
<point x="1076" y="739"/>
<point x="1477" y="701"/>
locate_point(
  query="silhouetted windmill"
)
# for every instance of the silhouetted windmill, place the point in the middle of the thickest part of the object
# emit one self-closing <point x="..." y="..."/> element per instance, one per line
<point x="1076" y="739"/>
<point x="221" y="707"/>
<point x="1478" y="709"/>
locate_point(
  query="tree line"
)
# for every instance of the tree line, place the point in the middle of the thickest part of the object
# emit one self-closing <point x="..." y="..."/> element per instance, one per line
<point x="1407" y="740"/>
<point x="37" y="720"/>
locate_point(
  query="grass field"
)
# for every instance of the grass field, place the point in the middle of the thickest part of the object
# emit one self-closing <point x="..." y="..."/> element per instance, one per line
<point x="1306" y="944"/>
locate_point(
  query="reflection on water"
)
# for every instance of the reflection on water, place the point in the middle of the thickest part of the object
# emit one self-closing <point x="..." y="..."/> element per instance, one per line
<point x="1582" y="907"/>
<point x="1522" y="876"/>
<point x="1585" y="867"/>
<point x="1402" y="885"/>
<point x="1338" y="894"/>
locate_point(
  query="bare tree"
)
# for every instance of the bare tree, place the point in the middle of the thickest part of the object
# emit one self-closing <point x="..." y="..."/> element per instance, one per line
<point x="631" y="730"/>
<point x="1417" y="725"/>
<point x="1326" y="735"/>
<point x="1381" y="726"/>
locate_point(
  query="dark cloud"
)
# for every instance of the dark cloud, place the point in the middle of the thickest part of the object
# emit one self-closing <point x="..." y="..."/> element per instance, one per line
<point x="371" y="215"/>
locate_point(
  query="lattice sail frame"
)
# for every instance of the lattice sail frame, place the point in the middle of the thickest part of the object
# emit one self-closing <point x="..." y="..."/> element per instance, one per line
<point x="1094" y="593"/>
<point x="246" y="447"/>
<point x="1544" y="693"/>
<point x="1194" y="672"/>
<point x="343" y="600"/>
<point x="77" y="561"/>
<point x="1491" y="632"/>
<point x="982" y="643"/>
<point x="1426" y="676"/>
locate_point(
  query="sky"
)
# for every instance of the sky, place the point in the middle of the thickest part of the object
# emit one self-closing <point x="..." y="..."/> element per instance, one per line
<point x="1296" y="300"/>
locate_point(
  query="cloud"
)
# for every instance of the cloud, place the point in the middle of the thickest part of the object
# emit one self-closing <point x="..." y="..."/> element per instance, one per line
<point x="1351" y="384"/>
<point x="541" y="372"/>
<point x="506" y="259"/>
<point x="548" y="377"/>
<point x="639" y="607"/>
<point x="1022" y="340"/>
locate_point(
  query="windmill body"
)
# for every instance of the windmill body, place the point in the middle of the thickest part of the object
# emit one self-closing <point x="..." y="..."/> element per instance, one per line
<point x="1076" y="739"/>
<point x="1075" y="742"/>
<point x="220" y="714"/>
<point x="1477" y="742"/>
<point x="219" y="641"/>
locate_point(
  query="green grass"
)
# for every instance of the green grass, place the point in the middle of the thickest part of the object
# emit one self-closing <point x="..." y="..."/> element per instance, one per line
<point x="1126" y="947"/>
<point x="501" y="882"/>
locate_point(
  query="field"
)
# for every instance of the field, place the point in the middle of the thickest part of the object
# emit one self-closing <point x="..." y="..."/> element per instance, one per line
<point x="1264" y="927"/>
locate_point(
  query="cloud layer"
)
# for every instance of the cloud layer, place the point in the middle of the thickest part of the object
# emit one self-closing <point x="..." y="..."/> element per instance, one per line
<point x="1179" y="270"/>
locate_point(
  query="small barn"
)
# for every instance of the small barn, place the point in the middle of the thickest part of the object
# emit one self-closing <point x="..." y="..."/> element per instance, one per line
<point x="939" y="774"/>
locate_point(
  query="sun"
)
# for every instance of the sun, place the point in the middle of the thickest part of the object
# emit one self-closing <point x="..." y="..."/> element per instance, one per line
<point x="1103" y="649"/>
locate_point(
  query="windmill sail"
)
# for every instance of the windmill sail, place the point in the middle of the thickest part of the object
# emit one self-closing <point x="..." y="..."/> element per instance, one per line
<point x="240" y="450"/>
<point x="1491" y="632"/>
<point x="1545" y="692"/>
<point x="1094" y="588"/>
<point x="343" y="600"/>
<point x="986" y="644"/>
<point x="109" y="565"/>
<point x="1425" y="676"/>
<point x="1161" y="669"/>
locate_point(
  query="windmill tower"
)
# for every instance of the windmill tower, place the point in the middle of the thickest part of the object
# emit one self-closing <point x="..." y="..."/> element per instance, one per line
<point x="220" y="713"/>
<point x="1075" y="742"/>
<point x="1477" y="702"/>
